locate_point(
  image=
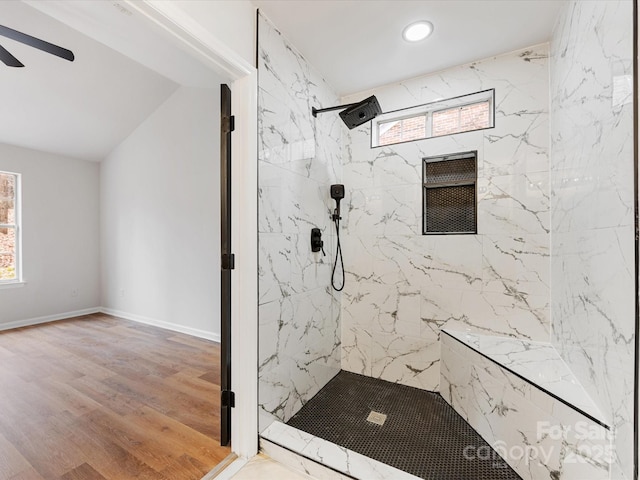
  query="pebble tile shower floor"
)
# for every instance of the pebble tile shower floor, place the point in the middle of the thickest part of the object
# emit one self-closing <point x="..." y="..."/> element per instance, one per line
<point x="421" y="435"/>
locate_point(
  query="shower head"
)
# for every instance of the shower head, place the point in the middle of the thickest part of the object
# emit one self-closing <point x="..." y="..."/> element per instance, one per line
<point x="355" y="114"/>
<point x="361" y="112"/>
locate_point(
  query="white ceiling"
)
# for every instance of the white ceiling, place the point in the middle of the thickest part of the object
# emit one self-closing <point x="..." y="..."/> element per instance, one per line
<point x="85" y="108"/>
<point x="357" y="44"/>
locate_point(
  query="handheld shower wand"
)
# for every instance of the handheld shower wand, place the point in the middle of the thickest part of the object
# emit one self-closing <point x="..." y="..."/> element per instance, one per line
<point x="337" y="193"/>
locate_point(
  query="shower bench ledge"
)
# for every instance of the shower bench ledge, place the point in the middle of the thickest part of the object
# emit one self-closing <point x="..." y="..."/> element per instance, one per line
<point x="521" y="397"/>
<point x="537" y="363"/>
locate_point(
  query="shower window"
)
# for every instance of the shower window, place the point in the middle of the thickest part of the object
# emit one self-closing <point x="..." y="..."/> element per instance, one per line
<point x="444" y="117"/>
<point x="461" y="119"/>
<point x="449" y="194"/>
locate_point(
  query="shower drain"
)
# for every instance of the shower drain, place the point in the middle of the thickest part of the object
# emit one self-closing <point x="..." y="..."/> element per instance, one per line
<point x="377" y="418"/>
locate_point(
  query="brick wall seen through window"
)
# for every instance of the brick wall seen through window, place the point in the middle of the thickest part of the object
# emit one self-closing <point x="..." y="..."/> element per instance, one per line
<point x="461" y="119"/>
<point x="413" y="128"/>
<point x="444" y="117"/>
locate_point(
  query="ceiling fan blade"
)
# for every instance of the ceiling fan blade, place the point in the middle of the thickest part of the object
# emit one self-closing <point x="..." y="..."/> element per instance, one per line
<point x="36" y="43"/>
<point x="8" y="59"/>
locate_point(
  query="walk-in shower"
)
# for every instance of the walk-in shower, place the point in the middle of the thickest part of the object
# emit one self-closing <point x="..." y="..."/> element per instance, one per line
<point x="470" y="350"/>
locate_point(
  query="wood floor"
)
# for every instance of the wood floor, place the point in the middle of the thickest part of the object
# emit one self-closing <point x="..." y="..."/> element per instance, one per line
<point x="97" y="397"/>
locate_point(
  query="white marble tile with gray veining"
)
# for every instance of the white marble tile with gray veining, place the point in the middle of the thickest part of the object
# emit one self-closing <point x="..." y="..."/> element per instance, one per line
<point x="516" y="264"/>
<point x="413" y="361"/>
<point x="332" y="455"/>
<point x="592" y="207"/>
<point x="490" y="313"/>
<point x="299" y="157"/>
<point x="527" y="427"/>
<point x="538" y="362"/>
<point x="514" y="203"/>
<point x="313" y="469"/>
<point x="384" y="211"/>
<point x="496" y="282"/>
<point x="518" y="145"/>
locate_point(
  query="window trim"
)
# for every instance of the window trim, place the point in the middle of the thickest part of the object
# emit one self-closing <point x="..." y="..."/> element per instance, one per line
<point x="428" y="109"/>
<point x="18" y="280"/>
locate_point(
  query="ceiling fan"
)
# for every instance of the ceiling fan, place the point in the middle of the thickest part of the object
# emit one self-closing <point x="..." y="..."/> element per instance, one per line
<point x="11" y="61"/>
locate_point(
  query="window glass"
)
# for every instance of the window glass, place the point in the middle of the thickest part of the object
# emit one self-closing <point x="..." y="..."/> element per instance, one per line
<point x="412" y="128"/>
<point x="9" y="228"/>
<point x="444" y="117"/>
<point x="461" y="119"/>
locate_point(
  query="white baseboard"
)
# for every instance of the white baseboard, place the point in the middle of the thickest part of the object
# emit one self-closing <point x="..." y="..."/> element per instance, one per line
<point x="48" y="318"/>
<point x="116" y="313"/>
<point x="162" y="324"/>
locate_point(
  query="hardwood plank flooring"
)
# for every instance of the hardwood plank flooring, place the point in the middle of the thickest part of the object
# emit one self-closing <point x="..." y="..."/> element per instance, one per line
<point x="102" y="398"/>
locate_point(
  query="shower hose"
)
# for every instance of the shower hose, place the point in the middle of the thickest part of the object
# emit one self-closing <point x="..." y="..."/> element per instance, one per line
<point x="338" y="254"/>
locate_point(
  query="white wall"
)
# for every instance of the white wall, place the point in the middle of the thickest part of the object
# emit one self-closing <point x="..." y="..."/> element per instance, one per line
<point x="60" y="211"/>
<point x="159" y="211"/>
<point x="232" y="21"/>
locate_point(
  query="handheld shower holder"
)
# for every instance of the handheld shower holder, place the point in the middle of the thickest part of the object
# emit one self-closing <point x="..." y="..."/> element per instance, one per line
<point x="337" y="193"/>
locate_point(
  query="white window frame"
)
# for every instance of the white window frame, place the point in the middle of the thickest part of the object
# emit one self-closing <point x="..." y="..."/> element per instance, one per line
<point x="428" y="110"/>
<point x="17" y="226"/>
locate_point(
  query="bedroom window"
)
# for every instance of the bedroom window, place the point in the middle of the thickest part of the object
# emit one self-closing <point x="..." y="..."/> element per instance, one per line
<point x="10" y="260"/>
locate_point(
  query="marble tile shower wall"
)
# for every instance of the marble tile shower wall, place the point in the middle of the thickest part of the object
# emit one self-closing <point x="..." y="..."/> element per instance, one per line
<point x="402" y="286"/>
<point x="592" y="299"/>
<point x="299" y="157"/>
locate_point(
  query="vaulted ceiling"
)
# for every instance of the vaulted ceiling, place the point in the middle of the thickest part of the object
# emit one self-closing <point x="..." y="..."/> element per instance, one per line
<point x="85" y="108"/>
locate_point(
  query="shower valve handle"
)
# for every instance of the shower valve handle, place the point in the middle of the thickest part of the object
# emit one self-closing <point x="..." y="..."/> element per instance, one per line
<point x="316" y="241"/>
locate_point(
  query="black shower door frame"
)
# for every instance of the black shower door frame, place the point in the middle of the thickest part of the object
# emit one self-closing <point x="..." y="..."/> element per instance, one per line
<point x="227" y="264"/>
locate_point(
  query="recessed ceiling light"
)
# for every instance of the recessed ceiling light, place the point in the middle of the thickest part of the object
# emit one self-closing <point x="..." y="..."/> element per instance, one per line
<point x="417" y="31"/>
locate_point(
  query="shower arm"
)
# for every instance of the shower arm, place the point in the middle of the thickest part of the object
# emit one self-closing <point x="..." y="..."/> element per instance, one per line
<point x="315" y="111"/>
